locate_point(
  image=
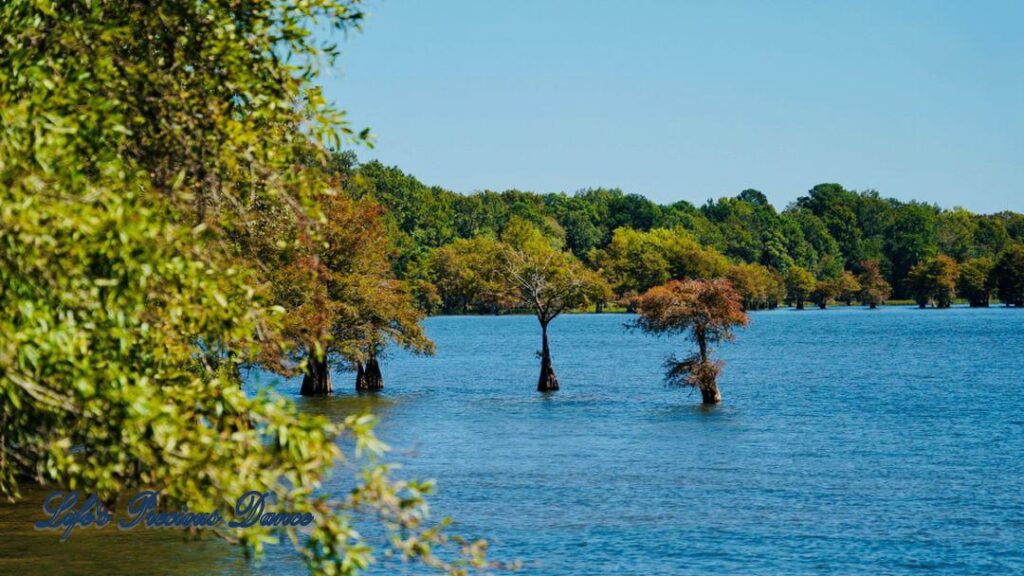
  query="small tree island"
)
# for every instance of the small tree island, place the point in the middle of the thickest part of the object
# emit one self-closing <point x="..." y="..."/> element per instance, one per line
<point x="706" y="310"/>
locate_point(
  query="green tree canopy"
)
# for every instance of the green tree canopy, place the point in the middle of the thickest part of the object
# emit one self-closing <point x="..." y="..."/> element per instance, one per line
<point x="1009" y="275"/>
<point x="910" y="240"/>
<point x="635" y="261"/>
<point x="825" y="292"/>
<point x="760" y="287"/>
<point x="800" y="284"/>
<point x="467" y="276"/>
<point x="828" y="231"/>
<point x="976" y="282"/>
<point x="934" y="281"/>
<point x="547" y="281"/>
<point x="140" y="143"/>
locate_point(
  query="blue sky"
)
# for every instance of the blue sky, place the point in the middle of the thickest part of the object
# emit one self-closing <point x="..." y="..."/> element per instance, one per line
<point x="687" y="101"/>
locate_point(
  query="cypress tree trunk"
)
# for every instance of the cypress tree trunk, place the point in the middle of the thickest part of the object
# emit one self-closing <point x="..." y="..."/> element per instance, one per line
<point x="706" y="380"/>
<point x="317" y="379"/>
<point x="369" y="377"/>
<point x="547" y="382"/>
<point x="799" y="304"/>
<point x="709" y="393"/>
<point x="872" y="306"/>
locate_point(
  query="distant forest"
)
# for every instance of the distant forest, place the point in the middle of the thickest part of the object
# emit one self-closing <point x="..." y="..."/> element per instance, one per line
<point x="831" y="236"/>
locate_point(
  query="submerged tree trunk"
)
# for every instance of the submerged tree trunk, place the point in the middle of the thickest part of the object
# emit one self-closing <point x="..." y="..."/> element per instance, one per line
<point x="710" y="394"/>
<point x="706" y="372"/>
<point x="873" y="306"/>
<point x="317" y="379"/>
<point x="799" y="304"/>
<point x="368" y="376"/>
<point x="547" y="382"/>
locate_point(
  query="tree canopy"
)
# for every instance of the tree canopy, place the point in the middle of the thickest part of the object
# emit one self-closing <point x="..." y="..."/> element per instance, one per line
<point x="976" y="281"/>
<point x="637" y="244"/>
<point x="800" y="285"/>
<point x="874" y="289"/>
<point x="547" y="281"/>
<point x="1008" y="274"/>
<point x="705" y="310"/>
<point x="933" y="281"/>
<point x="156" y="164"/>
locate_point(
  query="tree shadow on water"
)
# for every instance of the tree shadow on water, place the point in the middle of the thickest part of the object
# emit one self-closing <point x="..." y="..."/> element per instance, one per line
<point x="695" y="410"/>
<point x="337" y="407"/>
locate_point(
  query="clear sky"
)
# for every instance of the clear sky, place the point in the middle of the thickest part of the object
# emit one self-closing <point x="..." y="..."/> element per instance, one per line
<point x="686" y="101"/>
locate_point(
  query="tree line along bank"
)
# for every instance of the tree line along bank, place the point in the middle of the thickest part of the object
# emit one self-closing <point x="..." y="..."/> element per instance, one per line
<point x="831" y="244"/>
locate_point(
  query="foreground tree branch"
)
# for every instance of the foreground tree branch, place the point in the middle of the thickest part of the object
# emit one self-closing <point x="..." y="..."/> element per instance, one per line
<point x="157" y="162"/>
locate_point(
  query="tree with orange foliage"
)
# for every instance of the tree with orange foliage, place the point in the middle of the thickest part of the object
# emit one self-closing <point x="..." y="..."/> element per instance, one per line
<point x="368" y="307"/>
<point x="874" y="290"/>
<point x="342" y="302"/>
<point x="705" y="310"/>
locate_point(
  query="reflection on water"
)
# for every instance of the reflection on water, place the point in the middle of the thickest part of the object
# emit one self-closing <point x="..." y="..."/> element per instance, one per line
<point x="850" y="442"/>
<point x="337" y="407"/>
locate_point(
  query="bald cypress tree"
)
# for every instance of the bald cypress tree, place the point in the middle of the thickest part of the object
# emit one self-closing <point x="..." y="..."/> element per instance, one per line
<point x="704" y="310"/>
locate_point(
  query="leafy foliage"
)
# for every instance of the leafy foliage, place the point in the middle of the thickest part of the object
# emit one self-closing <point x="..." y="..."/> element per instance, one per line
<point x="874" y="290"/>
<point x="825" y="292"/>
<point x="542" y="278"/>
<point x="1009" y="276"/>
<point x="142" y="148"/>
<point x="637" y="244"/>
<point x="759" y="286"/>
<point x="705" y="310"/>
<point x="934" y="281"/>
<point x="636" y="261"/>
<point x="800" y="285"/>
<point x="847" y="287"/>
<point x="466" y="276"/>
<point x="976" y="282"/>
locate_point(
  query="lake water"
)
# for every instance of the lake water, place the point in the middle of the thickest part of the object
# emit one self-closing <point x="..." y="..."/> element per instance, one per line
<point x="849" y="442"/>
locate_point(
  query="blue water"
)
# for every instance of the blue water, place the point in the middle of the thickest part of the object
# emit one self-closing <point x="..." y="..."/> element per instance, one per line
<point x="849" y="442"/>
